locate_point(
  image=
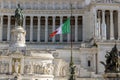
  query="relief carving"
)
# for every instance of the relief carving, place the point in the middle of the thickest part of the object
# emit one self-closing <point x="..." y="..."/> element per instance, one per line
<point x="4" y="67"/>
<point x="16" y="65"/>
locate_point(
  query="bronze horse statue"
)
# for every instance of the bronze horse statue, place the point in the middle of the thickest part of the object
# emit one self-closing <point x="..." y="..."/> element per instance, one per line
<point x="19" y="16"/>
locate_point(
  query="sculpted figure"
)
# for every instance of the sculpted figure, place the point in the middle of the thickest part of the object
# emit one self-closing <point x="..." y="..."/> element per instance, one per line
<point x="112" y="61"/>
<point x="19" y="16"/>
<point x="17" y="66"/>
<point x="27" y="68"/>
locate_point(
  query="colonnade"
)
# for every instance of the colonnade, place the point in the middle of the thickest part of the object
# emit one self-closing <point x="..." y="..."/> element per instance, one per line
<point x="75" y="26"/>
<point x="107" y="24"/>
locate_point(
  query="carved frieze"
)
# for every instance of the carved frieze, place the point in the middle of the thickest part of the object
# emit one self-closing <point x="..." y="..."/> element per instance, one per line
<point x="4" y="67"/>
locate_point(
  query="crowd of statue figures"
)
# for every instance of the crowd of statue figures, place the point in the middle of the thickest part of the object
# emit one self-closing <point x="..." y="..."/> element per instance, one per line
<point x="112" y="61"/>
<point x="4" y="67"/>
<point x="41" y="68"/>
<point x="36" y="68"/>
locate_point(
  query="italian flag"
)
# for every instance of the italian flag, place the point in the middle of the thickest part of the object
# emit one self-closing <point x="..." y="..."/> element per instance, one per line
<point x="63" y="29"/>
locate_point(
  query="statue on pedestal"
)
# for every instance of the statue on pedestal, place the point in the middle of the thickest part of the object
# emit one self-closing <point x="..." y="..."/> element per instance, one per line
<point x="112" y="61"/>
<point x="19" y="16"/>
<point x="18" y="33"/>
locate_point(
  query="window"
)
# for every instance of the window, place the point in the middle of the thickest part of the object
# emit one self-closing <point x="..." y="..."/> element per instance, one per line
<point x="89" y="63"/>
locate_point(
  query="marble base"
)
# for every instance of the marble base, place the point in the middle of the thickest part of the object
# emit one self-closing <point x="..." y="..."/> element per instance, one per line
<point x="26" y="77"/>
<point x="111" y="75"/>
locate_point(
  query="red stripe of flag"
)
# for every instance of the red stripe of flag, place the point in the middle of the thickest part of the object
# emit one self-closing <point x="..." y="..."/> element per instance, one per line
<point x="53" y="34"/>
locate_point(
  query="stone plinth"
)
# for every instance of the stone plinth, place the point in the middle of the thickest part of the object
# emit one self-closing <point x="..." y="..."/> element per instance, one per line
<point x="18" y="37"/>
<point x="111" y="75"/>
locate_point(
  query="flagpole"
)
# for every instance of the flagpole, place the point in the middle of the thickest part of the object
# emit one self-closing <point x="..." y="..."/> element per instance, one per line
<point x="71" y="64"/>
<point x="71" y="43"/>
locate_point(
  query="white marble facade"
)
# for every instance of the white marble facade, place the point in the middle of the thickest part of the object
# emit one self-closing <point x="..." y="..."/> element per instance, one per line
<point x="30" y="54"/>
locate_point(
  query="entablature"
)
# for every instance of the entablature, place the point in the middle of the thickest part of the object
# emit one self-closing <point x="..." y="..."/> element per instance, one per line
<point x="44" y="12"/>
<point x="93" y="50"/>
<point x="104" y="6"/>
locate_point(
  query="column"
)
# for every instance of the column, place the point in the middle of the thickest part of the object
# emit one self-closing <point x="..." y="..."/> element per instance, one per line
<point x="94" y="62"/>
<point x="24" y="5"/>
<point x="111" y="25"/>
<point x="96" y="26"/>
<point x="46" y="28"/>
<point x="31" y="28"/>
<point x="119" y="25"/>
<point x="68" y="35"/>
<point x="103" y="26"/>
<point x="61" y="36"/>
<point x="99" y="25"/>
<point x="15" y="24"/>
<point x="53" y="28"/>
<point x="38" y="30"/>
<point x="8" y="28"/>
<point x="1" y="27"/>
<point x="9" y="4"/>
<point x="24" y="22"/>
<point x="76" y="28"/>
<point x="84" y="34"/>
<point x="2" y="4"/>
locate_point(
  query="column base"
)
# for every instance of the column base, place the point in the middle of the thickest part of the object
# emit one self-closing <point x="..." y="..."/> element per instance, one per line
<point x="118" y="38"/>
<point x="112" y="38"/>
<point x="61" y="38"/>
<point x="103" y="38"/>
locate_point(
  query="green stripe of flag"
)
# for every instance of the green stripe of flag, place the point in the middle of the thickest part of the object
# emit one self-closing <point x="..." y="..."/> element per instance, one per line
<point x="66" y="26"/>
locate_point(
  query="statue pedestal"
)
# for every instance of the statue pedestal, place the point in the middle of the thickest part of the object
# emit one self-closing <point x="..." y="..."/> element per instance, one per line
<point x="17" y="39"/>
<point x="111" y="75"/>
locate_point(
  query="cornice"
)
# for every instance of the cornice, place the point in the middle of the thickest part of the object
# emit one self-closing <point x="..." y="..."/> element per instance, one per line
<point x="43" y="12"/>
<point x="108" y="6"/>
